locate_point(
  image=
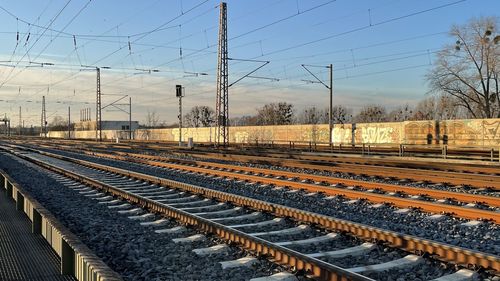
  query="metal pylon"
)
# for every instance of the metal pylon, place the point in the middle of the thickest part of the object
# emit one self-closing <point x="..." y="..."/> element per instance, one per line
<point x="43" y="126"/>
<point x="98" y="106"/>
<point x="221" y="104"/>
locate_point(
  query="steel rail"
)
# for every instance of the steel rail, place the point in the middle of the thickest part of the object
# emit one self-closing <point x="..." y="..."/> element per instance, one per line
<point x="469" y="213"/>
<point x="440" y="171"/>
<point x="478" y="173"/>
<point x="425" y="150"/>
<point x="476" y="180"/>
<point x="281" y="255"/>
<point x="434" y="193"/>
<point x="329" y="159"/>
<point x="463" y="212"/>
<point x="441" y="251"/>
<point x="454" y="178"/>
<point x="430" y="150"/>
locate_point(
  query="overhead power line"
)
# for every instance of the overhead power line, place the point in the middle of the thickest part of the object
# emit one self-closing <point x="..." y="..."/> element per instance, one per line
<point x="36" y="41"/>
<point x="282" y="19"/>
<point x="363" y="28"/>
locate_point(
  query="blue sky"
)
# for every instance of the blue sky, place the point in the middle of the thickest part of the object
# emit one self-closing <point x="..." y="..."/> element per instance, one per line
<point x="381" y="51"/>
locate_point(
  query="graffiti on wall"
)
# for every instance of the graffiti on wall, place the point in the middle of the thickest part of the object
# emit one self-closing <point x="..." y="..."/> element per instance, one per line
<point x="342" y="135"/>
<point x="377" y="134"/>
<point x="459" y="132"/>
<point x="241" y="137"/>
<point x="315" y="134"/>
<point x="492" y="130"/>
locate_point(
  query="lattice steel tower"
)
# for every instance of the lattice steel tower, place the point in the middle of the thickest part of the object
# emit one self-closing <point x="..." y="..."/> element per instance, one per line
<point x="221" y="103"/>
<point x="43" y="127"/>
<point x="98" y="120"/>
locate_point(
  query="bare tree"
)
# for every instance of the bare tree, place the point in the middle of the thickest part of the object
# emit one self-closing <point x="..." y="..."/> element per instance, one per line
<point x="58" y="123"/>
<point x="207" y="115"/>
<point x="401" y="113"/>
<point x="200" y="116"/>
<point x="193" y="117"/>
<point x="468" y="70"/>
<point x="245" y="120"/>
<point x="311" y="115"/>
<point x="340" y="114"/>
<point x="370" y="114"/>
<point x="275" y="114"/>
<point x="448" y="108"/>
<point x="152" y="119"/>
<point x="425" y="109"/>
<point x="442" y="107"/>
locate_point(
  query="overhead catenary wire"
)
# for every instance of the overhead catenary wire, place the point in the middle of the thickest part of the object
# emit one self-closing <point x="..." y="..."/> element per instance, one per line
<point x="127" y="42"/>
<point x="36" y="41"/>
<point x="364" y="27"/>
<point x="141" y="37"/>
<point x="51" y="40"/>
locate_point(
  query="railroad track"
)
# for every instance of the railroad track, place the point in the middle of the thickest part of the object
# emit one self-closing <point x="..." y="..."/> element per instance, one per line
<point x="473" y="167"/>
<point x="477" y="177"/>
<point x="424" y="151"/>
<point x="212" y="210"/>
<point x="329" y="159"/>
<point x="426" y="199"/>
<point x="320" y="158"/>
<point x="427" y="175"/>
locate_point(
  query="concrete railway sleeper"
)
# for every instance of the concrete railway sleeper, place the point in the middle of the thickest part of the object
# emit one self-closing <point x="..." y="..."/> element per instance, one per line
<point x="438" y="194"/>
<point x="436" y="172"/>
<point x="452" y="178"/>
<point x="485" y="182"/>
<point x="409" y="243"/>
<point x="441" y="228"/>
<point x="277" y="146"/>
<point x="123" y="188"/>
<point x="392" y="192"/>
<point x="135" y="251"/>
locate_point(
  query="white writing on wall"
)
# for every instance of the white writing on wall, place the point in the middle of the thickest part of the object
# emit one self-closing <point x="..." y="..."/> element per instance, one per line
<point x="376" y="135"/>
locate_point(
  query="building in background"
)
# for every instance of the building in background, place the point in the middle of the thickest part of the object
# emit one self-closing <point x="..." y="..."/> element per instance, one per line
<point x="106" y="125"/>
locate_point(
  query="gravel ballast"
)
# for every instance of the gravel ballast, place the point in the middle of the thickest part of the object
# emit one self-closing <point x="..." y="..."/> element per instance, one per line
<point x="447" y="230"/>
<point x="134" y="251"/>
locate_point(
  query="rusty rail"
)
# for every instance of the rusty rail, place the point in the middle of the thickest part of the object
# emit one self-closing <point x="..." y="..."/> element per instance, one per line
<point x="317" y="268"/>
<point x="436" y="176"/>
<point x="434" y="193"/>
<point x="469" y="213"/>
<point x="441" y="251"/>
<point x="356" y="166"/>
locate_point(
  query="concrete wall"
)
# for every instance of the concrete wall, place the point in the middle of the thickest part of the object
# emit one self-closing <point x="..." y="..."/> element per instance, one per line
<point x="459" y="132"/>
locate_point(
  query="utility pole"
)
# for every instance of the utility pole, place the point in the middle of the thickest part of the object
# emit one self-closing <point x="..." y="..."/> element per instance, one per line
<point x="6" y="122"/>
<point x="98" y="128"/>
<point x="221" y="103"/>
<point x="330" y="88"/>
<point x="130" y="118"/>
<point x="20" y="122"/>
<point x="69" y="122"/>
<point x="330" y="111"/>
<point x="179" y="94"/>
<point x="43" y="127"/>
